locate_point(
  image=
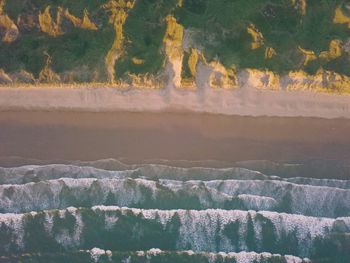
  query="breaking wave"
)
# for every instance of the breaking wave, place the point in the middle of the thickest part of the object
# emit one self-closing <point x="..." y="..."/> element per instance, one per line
<point x="97" y="255"/>
<point x="204" y="230"/>
<point x="256" y="195"/>
<point x="220" y="215"/>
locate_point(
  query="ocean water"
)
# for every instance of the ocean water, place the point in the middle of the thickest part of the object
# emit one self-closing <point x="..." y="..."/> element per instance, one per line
<point x="158" y="213"/>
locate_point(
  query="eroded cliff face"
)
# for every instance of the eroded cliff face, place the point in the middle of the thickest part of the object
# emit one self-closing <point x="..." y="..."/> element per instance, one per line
<point x="221" y="77"/>
<point x="8" y="30"/>
<point x="340" y="17"/>
<point x="84" y="23"/>
<point x="335" y="51"/>
<point x="323" y="80"/>
<point x="260" y="79"/>
<point x="47" y="23"/>
<point x="117" y="10"/>
<point x="194" y="61"/>
<point x="189" y="80"/>
<point x="47" y="75"/>
<point x="300" y="5"/>
<point x="173" y="49"/>
<point x="257" y="37"/>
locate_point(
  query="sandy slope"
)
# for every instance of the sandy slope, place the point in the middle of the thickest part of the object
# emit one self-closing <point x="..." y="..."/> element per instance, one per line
<point x="245" y="101"/>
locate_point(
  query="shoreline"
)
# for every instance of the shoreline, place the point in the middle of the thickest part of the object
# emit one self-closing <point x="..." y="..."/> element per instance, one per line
<point x="244" y="101"/>
<point x="136" y="137"/>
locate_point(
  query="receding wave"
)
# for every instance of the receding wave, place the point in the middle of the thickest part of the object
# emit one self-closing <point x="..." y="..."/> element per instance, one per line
<point x="35" y="173"/>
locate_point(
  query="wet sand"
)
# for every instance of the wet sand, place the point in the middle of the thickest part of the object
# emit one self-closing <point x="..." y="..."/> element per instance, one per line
<point x="173" y="136"/>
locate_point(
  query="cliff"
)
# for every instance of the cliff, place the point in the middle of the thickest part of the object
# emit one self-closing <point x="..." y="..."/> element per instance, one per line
<point x="148" y="44"/>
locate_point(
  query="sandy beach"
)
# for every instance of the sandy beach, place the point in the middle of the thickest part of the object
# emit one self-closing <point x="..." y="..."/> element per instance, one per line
<point x="174" y="136"/>
<point x="244" y="101"/>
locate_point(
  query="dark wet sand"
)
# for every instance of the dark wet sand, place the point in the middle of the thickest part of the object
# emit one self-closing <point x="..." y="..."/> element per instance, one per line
<point x="139" y="136"/>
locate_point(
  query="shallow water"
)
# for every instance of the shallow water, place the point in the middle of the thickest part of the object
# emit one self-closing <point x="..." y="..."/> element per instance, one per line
<point x="184" y="188"/>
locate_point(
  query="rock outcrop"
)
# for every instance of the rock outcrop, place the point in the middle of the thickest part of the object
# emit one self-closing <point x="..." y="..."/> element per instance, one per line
<point x="117" y="10"/>
<point x="260" y="79"/>
<point x="53" y="27"/>
<point x="192" y="62"/>
<point x="173" y="49"/>
<point x="48" y="24"/>
<point x="84" y="23"/>
<point x="309" y="55"/>
<point x="340" y="17"/>
<point x="4" y="78"/>
<point x="335" y="50"/>
<point x="8" y="30"/>
<point x="221" y="77"/>
<point x="47" y="74"/>
<point x="300" y="5"/>
<point x="270" y="52"/>
<point x="184" y="48"/>
<point x="323" y="80"/>
<point x="257" y="37"/>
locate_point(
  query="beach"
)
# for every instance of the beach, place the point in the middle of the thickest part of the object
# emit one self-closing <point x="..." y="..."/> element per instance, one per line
<point x="243" y="101"/>
<point x="172" y="136"/>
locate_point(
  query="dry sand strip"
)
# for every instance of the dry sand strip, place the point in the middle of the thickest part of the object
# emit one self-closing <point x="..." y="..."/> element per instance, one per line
<point x="173" y="136"/>
<point x="245" y="101"/>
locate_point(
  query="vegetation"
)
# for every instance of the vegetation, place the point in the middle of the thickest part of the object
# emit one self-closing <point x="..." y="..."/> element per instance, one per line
<point x="219" y="29"/>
